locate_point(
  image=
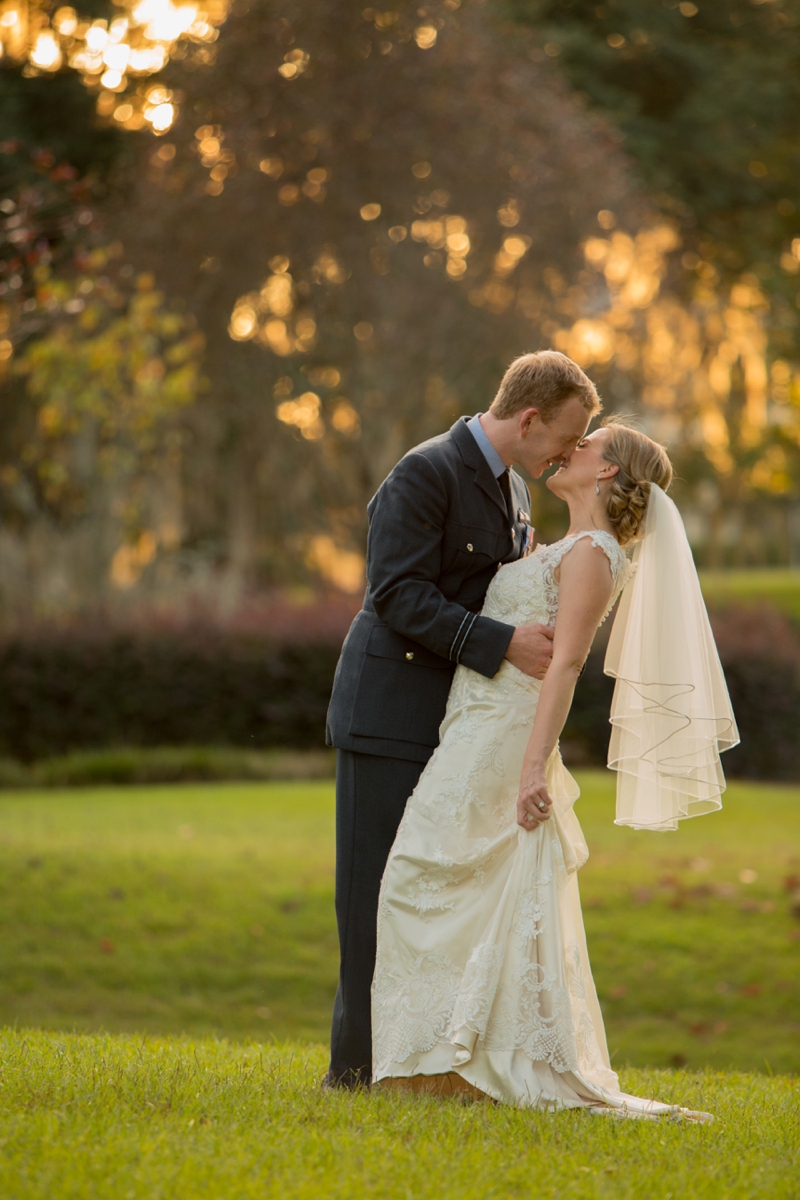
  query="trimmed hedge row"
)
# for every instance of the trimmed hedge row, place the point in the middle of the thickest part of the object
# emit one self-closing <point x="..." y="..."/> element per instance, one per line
<point x="760" y="652"/>
<point x="86" y="690"/>
<point x="92" y="689"/>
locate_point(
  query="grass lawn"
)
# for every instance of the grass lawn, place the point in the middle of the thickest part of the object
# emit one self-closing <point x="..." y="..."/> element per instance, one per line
<point x="208" y="910"/>
<point x="116" y="1117"/>
<point x="777" y="585"/>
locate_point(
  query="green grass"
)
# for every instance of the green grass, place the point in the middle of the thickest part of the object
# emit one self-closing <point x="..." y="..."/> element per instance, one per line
<point x="125" y="1118"/>
<point x="208" y="910"/>
<point x="777" y="586"/>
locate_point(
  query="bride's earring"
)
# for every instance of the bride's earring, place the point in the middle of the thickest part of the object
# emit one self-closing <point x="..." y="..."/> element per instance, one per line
<point x="597" y="485"/>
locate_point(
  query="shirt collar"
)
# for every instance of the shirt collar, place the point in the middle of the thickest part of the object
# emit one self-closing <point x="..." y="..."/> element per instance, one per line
<point x="496" y="464"/>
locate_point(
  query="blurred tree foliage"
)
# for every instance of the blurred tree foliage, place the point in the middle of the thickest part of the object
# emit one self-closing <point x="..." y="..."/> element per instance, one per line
<point x="56" y="114"/>
<point x="367" y="214"/>
<point x="707" y="97"/>
<point x="107" y="378"/>
<point x="371" y="213"/>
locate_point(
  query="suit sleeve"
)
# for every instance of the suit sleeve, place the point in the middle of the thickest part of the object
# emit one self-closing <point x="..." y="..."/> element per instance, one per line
<point x="404" y="556"/>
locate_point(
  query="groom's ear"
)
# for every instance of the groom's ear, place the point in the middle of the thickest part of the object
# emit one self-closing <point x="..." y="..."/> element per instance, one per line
<point x="527" y="417"/>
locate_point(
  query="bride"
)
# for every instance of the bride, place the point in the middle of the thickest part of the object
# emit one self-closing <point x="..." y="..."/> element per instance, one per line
<point x="482" y="982"/>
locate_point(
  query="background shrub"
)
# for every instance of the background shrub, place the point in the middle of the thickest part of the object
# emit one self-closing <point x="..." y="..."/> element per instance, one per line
<point x="760" y="652"/>
<point x="266" y="684"/>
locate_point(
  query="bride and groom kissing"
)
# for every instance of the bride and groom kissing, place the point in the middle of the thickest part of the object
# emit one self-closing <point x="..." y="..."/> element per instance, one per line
<point x="463" y="957"/>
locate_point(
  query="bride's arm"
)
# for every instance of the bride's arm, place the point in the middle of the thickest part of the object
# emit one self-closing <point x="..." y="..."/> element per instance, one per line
<point x="584" y="591"/>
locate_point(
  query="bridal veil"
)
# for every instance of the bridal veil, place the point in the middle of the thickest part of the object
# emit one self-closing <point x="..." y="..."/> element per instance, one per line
<point x="671" y="715"/>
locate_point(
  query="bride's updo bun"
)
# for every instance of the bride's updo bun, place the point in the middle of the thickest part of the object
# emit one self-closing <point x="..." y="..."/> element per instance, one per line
<point x="641" y="461"/>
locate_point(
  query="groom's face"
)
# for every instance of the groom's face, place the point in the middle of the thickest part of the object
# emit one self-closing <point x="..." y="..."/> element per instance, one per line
<point x="541" y="444"/>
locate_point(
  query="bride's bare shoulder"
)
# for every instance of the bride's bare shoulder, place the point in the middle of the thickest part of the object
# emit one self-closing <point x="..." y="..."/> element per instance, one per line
<point x="590" y="565"/>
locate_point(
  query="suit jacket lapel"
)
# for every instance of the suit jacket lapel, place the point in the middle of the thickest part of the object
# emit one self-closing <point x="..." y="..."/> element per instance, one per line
<point x="472" y="455"/>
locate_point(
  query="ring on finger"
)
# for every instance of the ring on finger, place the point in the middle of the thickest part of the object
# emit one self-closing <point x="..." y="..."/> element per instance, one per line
<point x="542" y="805"/>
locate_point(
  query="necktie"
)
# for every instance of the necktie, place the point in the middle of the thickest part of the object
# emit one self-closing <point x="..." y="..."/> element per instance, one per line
<point x="505" y="487"/>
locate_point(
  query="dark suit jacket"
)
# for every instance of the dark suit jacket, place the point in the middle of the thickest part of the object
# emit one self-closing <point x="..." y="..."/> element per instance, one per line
<point x="438" y="528"/>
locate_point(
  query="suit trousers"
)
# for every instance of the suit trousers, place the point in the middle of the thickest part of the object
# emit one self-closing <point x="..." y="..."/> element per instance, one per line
<point x="371" y="795"/>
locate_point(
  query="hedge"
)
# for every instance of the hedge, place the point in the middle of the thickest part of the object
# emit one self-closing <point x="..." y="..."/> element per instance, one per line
<point x="90" y="689"/>
<point x="94" y="688"/>
<point x="760" y="652"/>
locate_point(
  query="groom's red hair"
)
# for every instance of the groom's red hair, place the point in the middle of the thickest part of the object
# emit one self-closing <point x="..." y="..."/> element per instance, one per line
<point x="544" y="381"/>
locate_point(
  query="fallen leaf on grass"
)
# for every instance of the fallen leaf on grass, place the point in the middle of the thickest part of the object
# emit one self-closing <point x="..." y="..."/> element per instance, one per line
<point x="752" y="989"/>
<point x="107" y="946"/>
<point x="618" y="992"/>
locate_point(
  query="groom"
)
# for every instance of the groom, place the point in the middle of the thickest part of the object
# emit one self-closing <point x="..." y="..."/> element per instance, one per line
<point x="446" y="517"/>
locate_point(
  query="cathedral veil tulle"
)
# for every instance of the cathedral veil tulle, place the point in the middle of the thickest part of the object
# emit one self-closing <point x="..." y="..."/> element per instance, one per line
<point x="671" y="715"/>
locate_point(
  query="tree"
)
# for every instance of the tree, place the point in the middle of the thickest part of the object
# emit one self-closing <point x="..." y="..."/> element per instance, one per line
<point x="371" y="213"/>
<point x="707" y="100"/>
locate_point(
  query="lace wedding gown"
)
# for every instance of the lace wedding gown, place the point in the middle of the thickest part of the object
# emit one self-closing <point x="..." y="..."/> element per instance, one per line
<point x="482" y="967"/>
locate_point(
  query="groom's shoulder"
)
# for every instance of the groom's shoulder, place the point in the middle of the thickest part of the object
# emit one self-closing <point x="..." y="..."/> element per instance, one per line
<point x="441" y="452"/>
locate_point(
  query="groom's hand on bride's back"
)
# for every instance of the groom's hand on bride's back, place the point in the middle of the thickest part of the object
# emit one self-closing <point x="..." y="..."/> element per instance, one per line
<point x="531" y="649"/>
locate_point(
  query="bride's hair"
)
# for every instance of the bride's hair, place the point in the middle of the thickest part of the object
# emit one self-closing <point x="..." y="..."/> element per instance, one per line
<point x="641" y="461"/>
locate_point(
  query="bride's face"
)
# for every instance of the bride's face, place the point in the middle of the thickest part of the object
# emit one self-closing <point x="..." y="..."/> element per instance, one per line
<point x="581" y="469"/>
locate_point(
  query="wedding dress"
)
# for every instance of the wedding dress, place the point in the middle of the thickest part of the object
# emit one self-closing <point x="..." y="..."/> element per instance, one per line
<point x="482" y="967"/>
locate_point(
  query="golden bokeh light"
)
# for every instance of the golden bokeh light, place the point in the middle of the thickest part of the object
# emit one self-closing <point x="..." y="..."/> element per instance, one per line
<point x="111" y="56"/>
<point x="425" y="36"/>
<point x="304" y="414"/>
<point x="46" y="52"/>
<point x="509" y="214"/>
<point x="294" y="63"/>
<point x="345" y="419"/>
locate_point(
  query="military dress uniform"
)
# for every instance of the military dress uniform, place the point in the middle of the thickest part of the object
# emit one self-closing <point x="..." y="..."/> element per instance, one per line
<point x="439" y="526"/>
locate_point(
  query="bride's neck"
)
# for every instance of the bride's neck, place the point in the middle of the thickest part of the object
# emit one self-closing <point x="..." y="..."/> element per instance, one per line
<point x="588" y="513"/>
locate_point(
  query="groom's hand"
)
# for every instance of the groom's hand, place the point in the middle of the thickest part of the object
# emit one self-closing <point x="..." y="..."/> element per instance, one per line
<point x="531" y="649"/>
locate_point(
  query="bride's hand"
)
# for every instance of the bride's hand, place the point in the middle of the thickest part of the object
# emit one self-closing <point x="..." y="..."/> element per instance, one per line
<point x="533" y="802"/>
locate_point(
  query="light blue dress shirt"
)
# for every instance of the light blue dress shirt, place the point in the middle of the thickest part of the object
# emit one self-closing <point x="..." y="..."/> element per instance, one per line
<point x="496" y="464"/>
